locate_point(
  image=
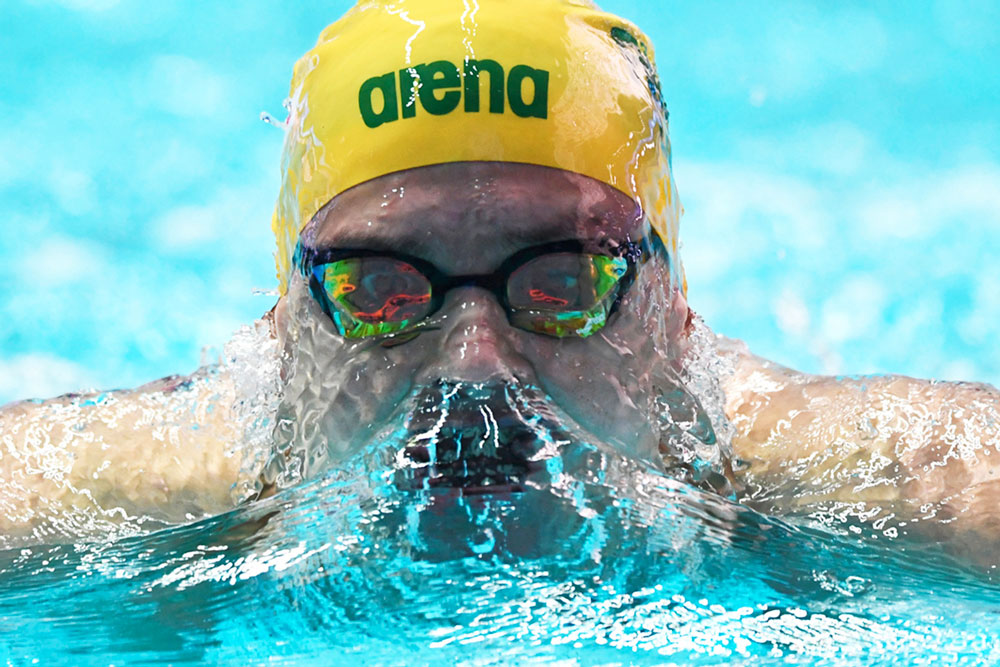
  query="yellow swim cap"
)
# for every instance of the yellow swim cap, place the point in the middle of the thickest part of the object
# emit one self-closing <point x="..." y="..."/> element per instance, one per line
<point x="400" y="84"/>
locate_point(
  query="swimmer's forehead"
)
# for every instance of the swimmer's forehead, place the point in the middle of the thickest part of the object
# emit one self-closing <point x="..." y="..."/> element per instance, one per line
<point x="471" y="216"/>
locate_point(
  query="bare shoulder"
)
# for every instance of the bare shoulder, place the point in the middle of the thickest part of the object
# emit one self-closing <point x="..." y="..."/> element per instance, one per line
<point x="165" y="451"/>
<point x="920" y="448"/>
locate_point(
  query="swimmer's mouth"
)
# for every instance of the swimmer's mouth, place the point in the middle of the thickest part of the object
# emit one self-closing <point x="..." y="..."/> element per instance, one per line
<point x="476" y="440"/>
<point x="469" y="476"/>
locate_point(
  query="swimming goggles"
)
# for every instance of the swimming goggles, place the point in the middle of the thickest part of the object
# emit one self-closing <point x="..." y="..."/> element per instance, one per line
<point x="556" y="289"/>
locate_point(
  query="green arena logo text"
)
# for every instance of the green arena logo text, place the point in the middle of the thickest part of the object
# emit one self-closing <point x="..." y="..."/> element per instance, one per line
<point x="440" y="86"/>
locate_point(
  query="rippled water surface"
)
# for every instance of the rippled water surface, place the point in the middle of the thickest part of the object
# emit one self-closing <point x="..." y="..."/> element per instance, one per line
<point x="578" y="571"/>
<point x="562" y="552"/>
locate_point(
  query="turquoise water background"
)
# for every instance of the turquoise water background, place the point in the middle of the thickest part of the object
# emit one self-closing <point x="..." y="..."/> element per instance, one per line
<point x="840" y="166"/>
<point x="841" y="172"/>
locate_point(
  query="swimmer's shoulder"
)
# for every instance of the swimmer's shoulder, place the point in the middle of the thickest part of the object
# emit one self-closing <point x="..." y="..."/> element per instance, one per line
<point x="165" y="451"/>
<point x="911" y="447"/>
<point x="777" y="408"/>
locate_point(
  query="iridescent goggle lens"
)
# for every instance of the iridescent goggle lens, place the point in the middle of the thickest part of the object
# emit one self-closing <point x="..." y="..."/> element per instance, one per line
<point x="556" y="293"/>
<point x="564" y="294"/>
<point x="374" y="296"/>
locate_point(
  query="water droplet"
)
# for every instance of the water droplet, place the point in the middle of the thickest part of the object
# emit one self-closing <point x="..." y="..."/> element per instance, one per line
<point x="271" y="120"/>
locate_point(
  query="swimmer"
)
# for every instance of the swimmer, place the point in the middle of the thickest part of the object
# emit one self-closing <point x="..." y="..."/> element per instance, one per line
<point x="477" y="206"/>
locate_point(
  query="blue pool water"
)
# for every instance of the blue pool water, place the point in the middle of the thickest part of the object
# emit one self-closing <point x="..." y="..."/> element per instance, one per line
<point x="351" y="571"/>
<point x="840" y="168"/>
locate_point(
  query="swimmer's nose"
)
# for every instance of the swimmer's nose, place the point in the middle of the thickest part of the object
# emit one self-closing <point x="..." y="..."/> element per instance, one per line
<point x="479" y="344"/>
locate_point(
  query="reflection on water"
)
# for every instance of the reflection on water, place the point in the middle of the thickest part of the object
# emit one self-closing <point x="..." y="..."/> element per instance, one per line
<point x="487" y="528"/>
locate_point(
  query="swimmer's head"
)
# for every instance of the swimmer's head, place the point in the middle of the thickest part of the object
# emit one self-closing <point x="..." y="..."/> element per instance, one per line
<point x="458" y="164"/>
<point x="398" y="85"/>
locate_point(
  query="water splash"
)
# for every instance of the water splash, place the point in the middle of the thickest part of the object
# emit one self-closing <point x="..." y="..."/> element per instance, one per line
<point x="607" y="566"/>
<point x="696" y="435"/>
<point x="398" y="555"/>
<point x="271" y="120"/>
<point x="252" y="362"/>
<point x="109" y="465"/>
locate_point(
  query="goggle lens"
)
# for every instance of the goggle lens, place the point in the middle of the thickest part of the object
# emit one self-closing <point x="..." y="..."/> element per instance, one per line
<point x="558" y="293"/>
<point x="374" y="296"/>
<point x="565" y="294"/>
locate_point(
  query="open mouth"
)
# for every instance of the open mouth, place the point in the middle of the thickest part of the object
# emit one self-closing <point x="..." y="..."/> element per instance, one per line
<point x="474" y="460"/>
<point x="472" y="476"/>
<point x="475" y="440"/>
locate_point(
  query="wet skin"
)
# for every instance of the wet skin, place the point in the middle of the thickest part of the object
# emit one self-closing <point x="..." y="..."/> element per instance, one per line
<point x="867" y="450"/>
<point x="467" y="218"/>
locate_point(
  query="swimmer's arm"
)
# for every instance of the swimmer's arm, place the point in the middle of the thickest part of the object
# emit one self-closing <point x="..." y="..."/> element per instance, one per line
<point x="82" y="464"/>
<point x="924" y="454"/>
